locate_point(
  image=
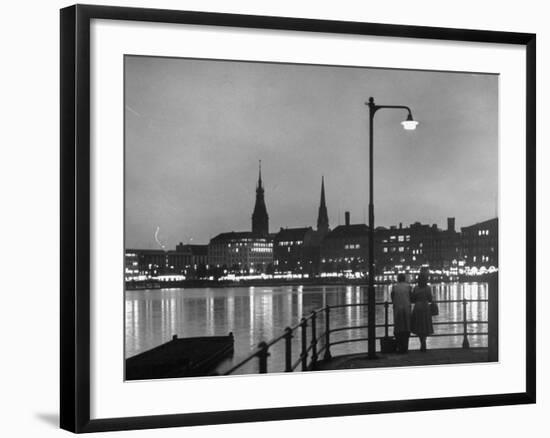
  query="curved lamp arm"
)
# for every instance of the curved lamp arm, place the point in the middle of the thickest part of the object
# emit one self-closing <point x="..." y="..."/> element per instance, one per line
<point x="409" y="124"/>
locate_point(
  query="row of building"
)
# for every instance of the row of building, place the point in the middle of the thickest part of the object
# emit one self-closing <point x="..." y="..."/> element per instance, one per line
<point x="323" y="251"/>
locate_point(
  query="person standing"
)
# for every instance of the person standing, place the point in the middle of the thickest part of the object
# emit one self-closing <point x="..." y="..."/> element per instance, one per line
<point x="421" y="318"/>
<point x="401" y="299"/>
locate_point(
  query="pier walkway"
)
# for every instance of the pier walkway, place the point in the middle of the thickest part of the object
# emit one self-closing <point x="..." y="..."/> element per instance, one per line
<point x="438" y="356"/>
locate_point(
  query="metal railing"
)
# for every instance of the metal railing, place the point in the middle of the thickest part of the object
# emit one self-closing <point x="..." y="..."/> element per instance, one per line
<point x="319" y="344"/>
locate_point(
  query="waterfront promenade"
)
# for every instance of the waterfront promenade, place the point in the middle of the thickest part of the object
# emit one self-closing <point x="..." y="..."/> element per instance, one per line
<point x="291" y="328"/>
<point x="437" y="356"/>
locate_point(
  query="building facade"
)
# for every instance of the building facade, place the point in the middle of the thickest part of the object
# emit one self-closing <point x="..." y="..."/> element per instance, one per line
<point x="189" y="260"/>
<point x="152" y="262"/>
<point x="241" y="252"/>
<point x="293" y="251"/>
<point x="131" y="265"/>
<point x="480" y="244"/>
<point x="418" y="245"/>
<point x="345" y="248"/>
<point x="245" y="252"/>
<point x="451" y="252"/>
<point x="406" y="248"/>
<point x="185" y="260"/>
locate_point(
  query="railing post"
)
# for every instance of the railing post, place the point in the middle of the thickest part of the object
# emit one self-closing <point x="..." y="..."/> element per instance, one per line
<point x="313" y="338"/>
<point x="288" y="350"/>
<point x="465" y="342"/>
<point x="386" y="306"/>
<point x="327" y="355"/>
<point x="303" y="325"/>
<point x="262" y="356"/>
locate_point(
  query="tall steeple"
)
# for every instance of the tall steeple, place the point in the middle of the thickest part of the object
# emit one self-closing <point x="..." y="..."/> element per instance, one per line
<point x="322" y="218"/>
<point x="260" y="219"/>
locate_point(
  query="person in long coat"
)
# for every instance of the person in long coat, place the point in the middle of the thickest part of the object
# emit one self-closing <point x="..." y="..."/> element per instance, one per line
<point x="421" y="318"/>
<point x="401" y="299"/>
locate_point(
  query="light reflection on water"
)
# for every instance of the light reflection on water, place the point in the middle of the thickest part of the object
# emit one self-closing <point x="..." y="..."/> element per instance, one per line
<point x="260" y="313"/>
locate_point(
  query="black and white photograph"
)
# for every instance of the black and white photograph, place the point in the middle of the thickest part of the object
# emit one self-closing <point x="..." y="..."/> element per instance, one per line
<point x="275" y="219"/>
<point x="296" y="218"/>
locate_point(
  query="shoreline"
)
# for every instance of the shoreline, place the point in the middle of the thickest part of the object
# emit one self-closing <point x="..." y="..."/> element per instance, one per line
<point x="204" y="284"/>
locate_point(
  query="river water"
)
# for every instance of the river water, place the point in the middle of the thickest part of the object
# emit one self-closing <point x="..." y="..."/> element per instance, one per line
<point x="261" y="313"/>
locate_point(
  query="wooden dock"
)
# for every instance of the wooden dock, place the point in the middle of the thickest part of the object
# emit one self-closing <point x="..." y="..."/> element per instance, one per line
<point x="180" y="357"/>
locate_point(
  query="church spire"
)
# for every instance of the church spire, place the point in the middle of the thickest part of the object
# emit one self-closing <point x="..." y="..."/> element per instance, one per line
<point x="260" y="218"/>
<point x="260" y="174"/>
<point x="322" y="218"/>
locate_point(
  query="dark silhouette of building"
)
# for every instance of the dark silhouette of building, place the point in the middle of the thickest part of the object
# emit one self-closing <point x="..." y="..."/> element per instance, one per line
<point x="241" y="252"/>
<point x="322" y="217"/>
<point x="260" y="218"/>
<point x="345" y="248"/>
<point x="194" y="254"/>
<point x="304" y="250"/>
<point x="480" y="244"/>
<point x="189" y="259"/>
<point x="406" y="248"/>
<point x="131" y="265"/>
<point x="147" y="263"/>
<point x="293" y="251"/>
<point x="450" y="246"/>
<point x="150" y="262"/>
<point x="245" y="252"/>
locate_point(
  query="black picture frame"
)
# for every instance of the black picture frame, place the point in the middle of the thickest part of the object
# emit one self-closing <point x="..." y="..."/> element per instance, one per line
<point x="75" y="217"/>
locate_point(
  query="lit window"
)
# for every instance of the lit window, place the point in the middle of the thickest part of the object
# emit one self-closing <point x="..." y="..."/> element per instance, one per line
<point x="401" y="249"/>
<point x="401" y="238"/>
<point x="385" y="249"/>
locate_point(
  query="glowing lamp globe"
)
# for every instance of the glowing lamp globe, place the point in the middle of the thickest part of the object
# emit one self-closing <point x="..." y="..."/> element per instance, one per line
<point x="409" y="124"/>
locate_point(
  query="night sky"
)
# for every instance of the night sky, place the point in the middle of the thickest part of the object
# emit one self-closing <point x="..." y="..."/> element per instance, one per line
<point x="195" y="130"/>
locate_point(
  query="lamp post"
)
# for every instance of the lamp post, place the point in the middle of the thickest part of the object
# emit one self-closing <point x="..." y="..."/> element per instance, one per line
<point x="409" y="124"/>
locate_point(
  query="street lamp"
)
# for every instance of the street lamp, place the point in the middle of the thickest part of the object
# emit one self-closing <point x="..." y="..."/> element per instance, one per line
<point x="409" y="124"/>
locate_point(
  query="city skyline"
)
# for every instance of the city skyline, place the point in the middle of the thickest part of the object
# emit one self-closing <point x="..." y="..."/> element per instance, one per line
<point x="202" y="116"/>
<point x="341" y="222"/>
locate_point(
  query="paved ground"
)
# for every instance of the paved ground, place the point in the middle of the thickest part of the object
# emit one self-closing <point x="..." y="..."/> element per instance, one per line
<point x="412" y="358"/>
